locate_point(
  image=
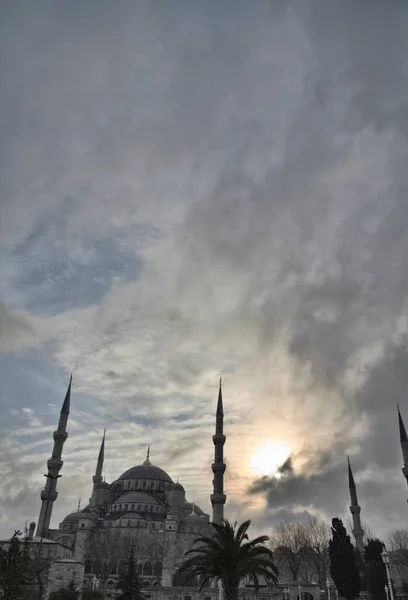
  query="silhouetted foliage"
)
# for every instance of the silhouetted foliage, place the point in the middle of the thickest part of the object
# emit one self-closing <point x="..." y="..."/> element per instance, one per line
<point x="129" y="583"/>
<point x="229" y="557"/>
<point x="343" y="567"/>
<point x="92" y="595"/>
<point x="16" y="570"/>
<point x="376" y="573"/>
<point x="67" y="593"/>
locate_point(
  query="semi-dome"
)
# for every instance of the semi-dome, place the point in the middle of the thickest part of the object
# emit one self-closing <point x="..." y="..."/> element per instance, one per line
<point x="146" y="472"/>
<point x="132" y="515"/>
<point x="134" y="496"/>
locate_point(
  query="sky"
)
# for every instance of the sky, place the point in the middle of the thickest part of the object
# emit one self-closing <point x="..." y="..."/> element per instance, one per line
<point x="191" y="190"/>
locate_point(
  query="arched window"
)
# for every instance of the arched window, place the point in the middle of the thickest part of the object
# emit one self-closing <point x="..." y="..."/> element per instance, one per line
<point x="151" y="508"/>
<point x="144" y="485"/>
<point x="133" y="507"/>
<point x="128" y="484"/>
<point x="152" y="485"/>
<point x="97" y="567"/>
<point x="138" y="508"/>
<point x="126" y="506"/>
<point x="112" y="567"/>
<point x="157" y="569"/>
<point x="129" y="523"/>
<point x="88" y="565"/>
<point x="147" y="568"/>
<point x="136" y="485"/>
<point x="140" y="568"/>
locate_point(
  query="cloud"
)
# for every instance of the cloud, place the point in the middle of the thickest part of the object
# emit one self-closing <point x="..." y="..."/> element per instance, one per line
<point x="200" y="191"/>
<point x="18" y="331"/>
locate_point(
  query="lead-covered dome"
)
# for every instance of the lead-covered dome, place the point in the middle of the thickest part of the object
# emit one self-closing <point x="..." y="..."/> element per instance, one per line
<point x="72" y="517"/>
<point x="146" y="472"/>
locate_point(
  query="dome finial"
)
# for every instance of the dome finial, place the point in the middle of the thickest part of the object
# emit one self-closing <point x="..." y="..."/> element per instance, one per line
<point x="79" y="504"/>
<point x="193" y="512"/>
<point x="147" y="461"/>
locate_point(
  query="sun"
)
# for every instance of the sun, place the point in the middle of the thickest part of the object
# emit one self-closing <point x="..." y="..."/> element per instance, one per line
<point x="268" y="457"/>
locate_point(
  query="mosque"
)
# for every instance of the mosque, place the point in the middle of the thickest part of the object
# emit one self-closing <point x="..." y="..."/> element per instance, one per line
<point x="146" y="509"/>
<point x="143" y="507"/>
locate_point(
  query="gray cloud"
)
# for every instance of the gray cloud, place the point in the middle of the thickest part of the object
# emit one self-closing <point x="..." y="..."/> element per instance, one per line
<point x="237" y="184"/>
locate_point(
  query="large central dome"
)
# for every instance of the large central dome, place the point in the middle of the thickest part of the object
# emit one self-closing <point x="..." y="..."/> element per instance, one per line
<point x="146" y="472"/>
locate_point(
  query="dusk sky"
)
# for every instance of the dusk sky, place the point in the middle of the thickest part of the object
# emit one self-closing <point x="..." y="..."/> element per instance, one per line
<point x="192" y="189"/>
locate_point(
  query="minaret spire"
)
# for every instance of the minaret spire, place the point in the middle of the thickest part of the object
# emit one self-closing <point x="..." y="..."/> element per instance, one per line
<point x="355" y="510"/>
<point x="218" y="497"/>
<point x="97" y="478"/>
<point x="404" y="444"/>
<point x="49" y="494"/>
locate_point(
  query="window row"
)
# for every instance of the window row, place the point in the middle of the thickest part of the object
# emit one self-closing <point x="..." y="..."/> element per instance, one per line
<point x="137" y="507"/>
<point x="112" y="567"/>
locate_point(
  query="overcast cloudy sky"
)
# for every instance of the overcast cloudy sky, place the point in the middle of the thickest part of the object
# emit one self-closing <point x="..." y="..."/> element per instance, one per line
<point x="191" y="189"/>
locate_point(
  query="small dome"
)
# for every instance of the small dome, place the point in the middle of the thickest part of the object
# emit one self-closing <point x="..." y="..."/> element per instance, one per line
<point x="72" y="517"/>
<point x="135" y="496"/>
<point x="146" y="471"/>
<point x="178" y="486"/>
<point x="191" y="506"/>
<point x="193" y="519"/>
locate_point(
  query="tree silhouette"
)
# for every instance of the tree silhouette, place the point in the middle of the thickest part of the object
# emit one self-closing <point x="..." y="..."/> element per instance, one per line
<point x="129" y="583"/>
<point x="343" y="567"/>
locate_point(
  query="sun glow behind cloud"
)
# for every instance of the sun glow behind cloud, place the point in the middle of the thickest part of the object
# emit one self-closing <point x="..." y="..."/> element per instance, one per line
<point x="268" y="457"/>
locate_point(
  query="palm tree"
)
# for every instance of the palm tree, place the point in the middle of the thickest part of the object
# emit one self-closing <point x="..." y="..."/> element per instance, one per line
<point x="228" y="557"/>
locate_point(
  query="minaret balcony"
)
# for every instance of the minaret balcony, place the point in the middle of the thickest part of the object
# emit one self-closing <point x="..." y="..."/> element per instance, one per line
<point x="60" y="435"/>
<point x="218" y="467"/>
<point x="54" y="464"/>
<point x="218" y="498"/>
<point x="219" y="439"/>
<point x="355" y="509"/>
<point x="49" y="495"/>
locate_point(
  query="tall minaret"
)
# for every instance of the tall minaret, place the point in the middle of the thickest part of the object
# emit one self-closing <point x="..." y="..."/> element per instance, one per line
<point x="355" y="510"/>
<point x="404" y="444"/>
<point x="97" y="478"/>
<point x="49" y="493"/>
<point x="218" y="497"/>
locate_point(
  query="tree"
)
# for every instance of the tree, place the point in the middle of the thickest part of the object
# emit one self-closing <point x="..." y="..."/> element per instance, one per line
<point x="376" y="573"/>
<point x="129" y="583"/>
<point x="16" y="570"/>
<point x="228" y="556"/>
<point x="316" y="535"/>
<point x="288" y="541"/>
<point x="398" y="545"/>
<point x="67" y="593"/>
<point x="343" y="568"/>
<point x="92" y="595"/>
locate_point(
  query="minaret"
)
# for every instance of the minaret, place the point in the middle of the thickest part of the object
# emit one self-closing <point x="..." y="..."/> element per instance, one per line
<point x="97" y="478"/>
<point x="404" y="444"/>
<point x="355" y="510"/>
<point x="49" y="493"/>
<point x="218" y="497"/>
